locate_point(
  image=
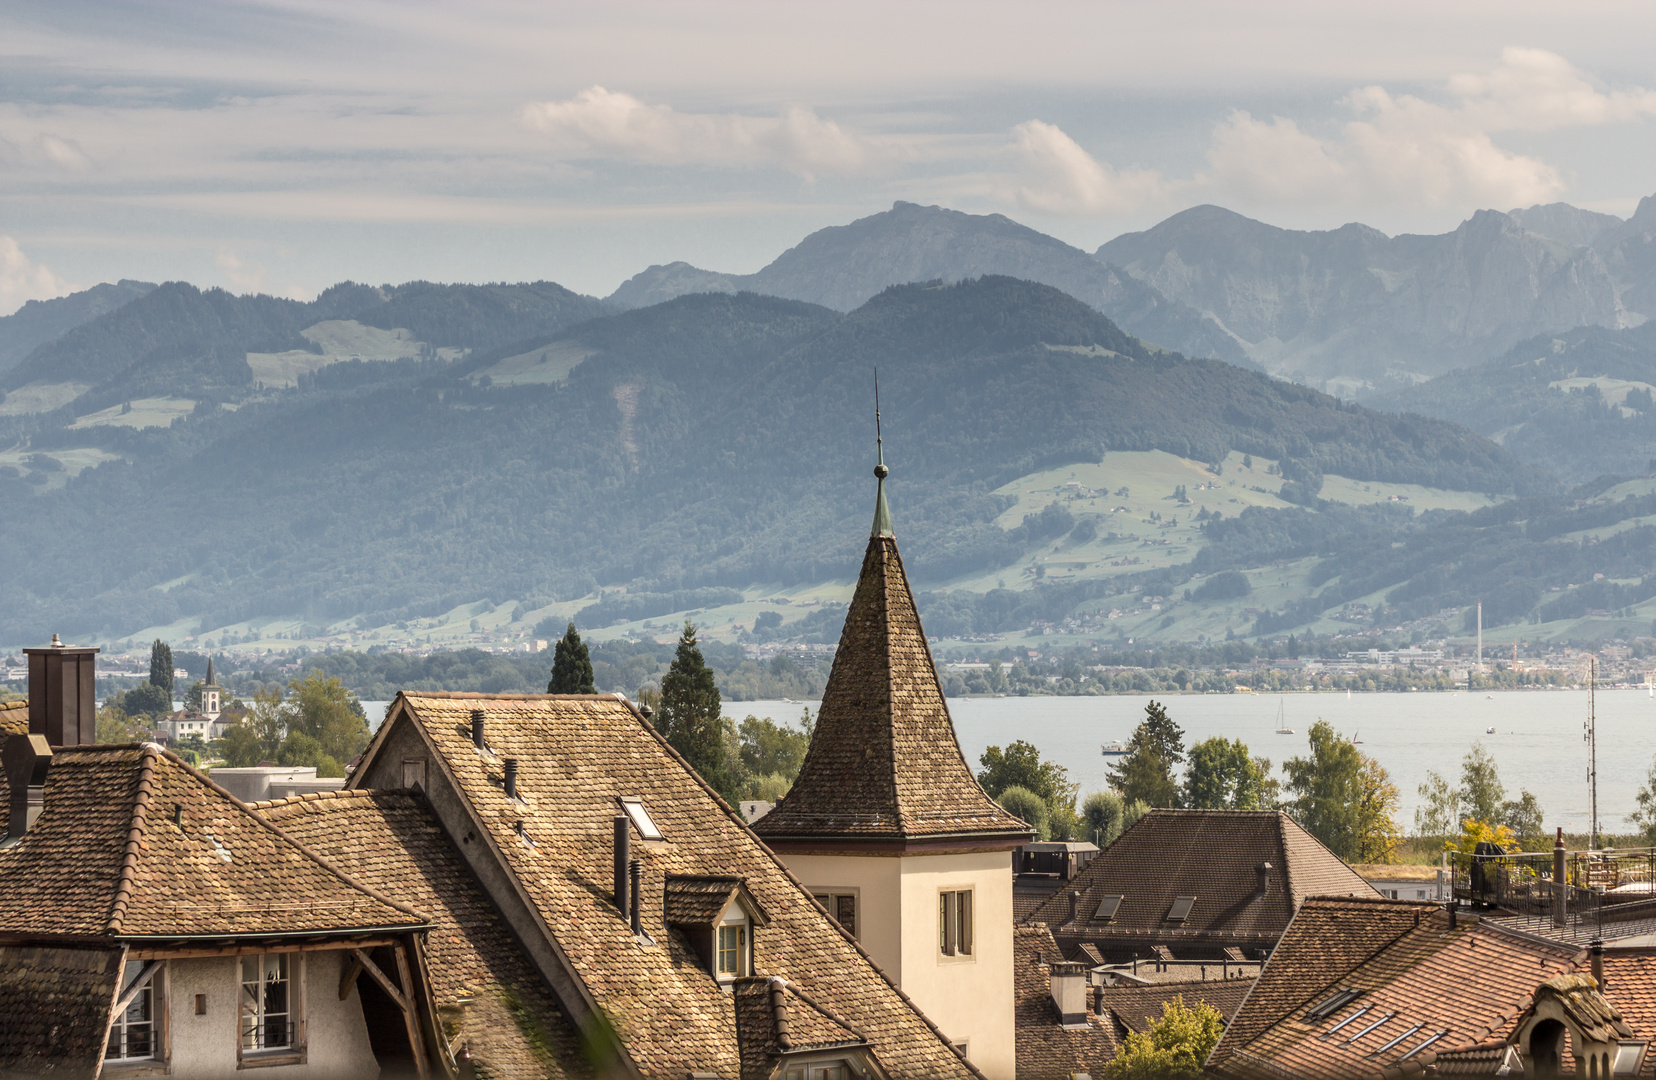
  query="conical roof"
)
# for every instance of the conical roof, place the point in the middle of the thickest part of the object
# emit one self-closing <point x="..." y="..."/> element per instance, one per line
<point x="884" y="768"/>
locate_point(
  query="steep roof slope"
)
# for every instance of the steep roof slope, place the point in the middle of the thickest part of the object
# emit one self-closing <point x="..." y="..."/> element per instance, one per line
<point x="1211" y="855"/>
<point x="1438" y="988"/>
<point x="884" y="763"/>
<point x="507" y="1018"/>
<point x="132" y="842"/>
<point x="576" y="756"/>
<point x="54" y="1008"/>
<point x="1046" y="1050"/>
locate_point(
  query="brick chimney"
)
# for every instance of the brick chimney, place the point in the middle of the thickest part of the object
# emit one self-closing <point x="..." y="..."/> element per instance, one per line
<point x="63" y="704"/>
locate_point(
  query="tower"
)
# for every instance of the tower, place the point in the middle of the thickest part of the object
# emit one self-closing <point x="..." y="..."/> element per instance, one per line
<point x="210" y="694"/>
<point x="888" y="828"/>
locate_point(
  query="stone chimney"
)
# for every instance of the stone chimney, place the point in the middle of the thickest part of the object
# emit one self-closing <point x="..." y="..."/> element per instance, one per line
<point x="63" y="704"/>
<point x="26" y="759"/>
<point x="1069" y="992"/>
<point x="1263" y="872"/>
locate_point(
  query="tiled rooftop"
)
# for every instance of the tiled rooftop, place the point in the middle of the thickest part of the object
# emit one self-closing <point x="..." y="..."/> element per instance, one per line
<point x="480" y="980"/>
<point x="884" y="764"/>
<point x="1046" y="1050"/>
<point x="54" y="1008"/>
<point x="133" y="842"/>
<point x="576" y="757"/>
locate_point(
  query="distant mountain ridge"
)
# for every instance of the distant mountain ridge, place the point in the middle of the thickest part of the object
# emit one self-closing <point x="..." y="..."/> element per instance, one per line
<point x="40" y="321"/>
<point x="843" y="266"/>
<point x="1356" y="310"/>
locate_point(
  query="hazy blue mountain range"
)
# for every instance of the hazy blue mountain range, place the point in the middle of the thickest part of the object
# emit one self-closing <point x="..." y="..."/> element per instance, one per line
<point x="1356" y="310"/>
<point x="40" y="321"/>
<point x="712" y="441"/>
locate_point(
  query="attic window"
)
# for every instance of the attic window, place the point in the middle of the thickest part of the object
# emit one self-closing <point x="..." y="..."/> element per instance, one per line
<point x="1107" y="908"/>
<point x="1333" y="1003"/>
<point x="1181" y="908"/>
<point x="640" y="817"/>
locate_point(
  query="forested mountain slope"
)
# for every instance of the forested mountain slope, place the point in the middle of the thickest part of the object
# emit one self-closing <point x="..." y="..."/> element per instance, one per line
<point x="40" y="321"/>
<point x="717" y="440"/>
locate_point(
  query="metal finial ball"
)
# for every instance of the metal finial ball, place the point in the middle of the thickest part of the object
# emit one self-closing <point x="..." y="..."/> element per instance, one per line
<point x="881" y="471"/>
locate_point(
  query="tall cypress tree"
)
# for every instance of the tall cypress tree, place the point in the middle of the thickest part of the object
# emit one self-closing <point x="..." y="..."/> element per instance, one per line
<point x="689" y="717"/>
<point x="571" y="666"/>
<point x="161" y="666"/>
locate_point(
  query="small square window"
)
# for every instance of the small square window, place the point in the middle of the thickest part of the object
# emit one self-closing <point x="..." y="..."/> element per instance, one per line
<point x="640" y="817"/>
<point x="1181" y="908"/>
<point x="1107" y="908"/>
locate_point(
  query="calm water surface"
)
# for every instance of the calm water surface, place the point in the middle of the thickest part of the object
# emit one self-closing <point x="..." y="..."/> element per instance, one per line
<point x="1537" y="742"/>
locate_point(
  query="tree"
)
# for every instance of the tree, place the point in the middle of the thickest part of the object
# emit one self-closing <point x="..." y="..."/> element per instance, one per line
<point x="326" y="711"/>
<point x="1025" y="804"/>
<point x="1340" y="798"/>
<point x="1644" y="818"/>
<point x="1174" y="1046"/>
<point x="192" y="696"/>
<point x="689" y="716"/>
<point x="115" y="726"/>
<point x="161" y="667"/>
<point x="300" y="749"/>
<point x="768" y="747"/>
<point x="1021" y="765"/>
<point x="1223" y="776"/>
<point x="240" y="747"/>
<point x="146" y="699"/>
<point x="1439" y="809"/>
<point x="1481" y="791"/>
<point x="1146" y="772"/>
<point x="571" y="666"/>
<point x="1482" y="797"/>
<point x="1103" y="812"/>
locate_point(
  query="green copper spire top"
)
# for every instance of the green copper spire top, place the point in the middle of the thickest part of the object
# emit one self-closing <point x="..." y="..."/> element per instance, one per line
<point x="882" y="512"/>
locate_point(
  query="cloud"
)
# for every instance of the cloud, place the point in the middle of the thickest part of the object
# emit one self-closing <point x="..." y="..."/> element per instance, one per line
<point x="22" y="280"/>
<point x="1056" y="176"/>
<point x="1537" y="90"/>
<point x="599" y="123"/>
<point x="1272" y="162"/>
<point x="245" y="276"/>
<point x="47" y="151"/>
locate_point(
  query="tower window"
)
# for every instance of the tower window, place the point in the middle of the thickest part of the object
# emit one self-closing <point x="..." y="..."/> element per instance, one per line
<point x="954" y="922"/>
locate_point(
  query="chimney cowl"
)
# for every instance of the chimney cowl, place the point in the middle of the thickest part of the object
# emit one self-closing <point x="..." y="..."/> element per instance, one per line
<point x="26" y="760"/>
<point x="477" y="729"/>
<point x="511" y="778"/>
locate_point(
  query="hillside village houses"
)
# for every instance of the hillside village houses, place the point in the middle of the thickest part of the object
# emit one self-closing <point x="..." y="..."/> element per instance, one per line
<point x="539" y="886"/>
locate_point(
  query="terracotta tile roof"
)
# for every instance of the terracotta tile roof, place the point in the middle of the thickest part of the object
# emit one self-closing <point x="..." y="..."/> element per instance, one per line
<point x="54" y="1008"/>
<point x="14" y="718"/>
<point x="576" y="757"/>
<point x="884" y="763"/>
<point x="773" y="1019"/>
<point x="1134" y="1008"/>
<point x="698" y="901"/>
<point x="132" y="842"/>
<point x="1045" y="1050"/>
<point x="1206" y="854"/>
<point x="492" y="999"/>
<point x="1417" y="978"/>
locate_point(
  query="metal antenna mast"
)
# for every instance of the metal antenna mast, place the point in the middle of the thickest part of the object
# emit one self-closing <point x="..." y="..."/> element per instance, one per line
<point x="1591" y="738"/>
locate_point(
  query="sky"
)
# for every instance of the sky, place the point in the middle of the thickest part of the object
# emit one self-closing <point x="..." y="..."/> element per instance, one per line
<point x="281" y="147"/>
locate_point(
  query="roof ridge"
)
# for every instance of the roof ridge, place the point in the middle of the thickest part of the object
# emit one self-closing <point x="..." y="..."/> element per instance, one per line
<point x="309" y="796"/>
<point x="135" y="837"/>
<point x="303" y="849"/>
<point x="484" y="695"/>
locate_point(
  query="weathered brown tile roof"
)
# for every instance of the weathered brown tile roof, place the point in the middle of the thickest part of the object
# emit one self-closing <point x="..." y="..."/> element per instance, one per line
<point x="1135" y="1008"/>
<point x="132" y="842"/>
<point x="1630" y="984"/>
<point x="884" y="763"/>
<point x="698" y="901"/>
<point x="14" y="718"/>
<point x="1045" y="1050"/>
<point x="1208" y="854"/>
<point x="491" y="998"/>
<point x="1464" y="986"/>
<point x="576" y="757"/>
<point x="773" y="1019"/>
<point x="54" y="1008"/>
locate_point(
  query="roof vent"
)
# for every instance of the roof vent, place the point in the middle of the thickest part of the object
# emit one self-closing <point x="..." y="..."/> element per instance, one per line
<point x="26" y="759"/>
<point x="477" y="728"/>
<point x="1263" y="870"/>
<point x="511" y="779"/>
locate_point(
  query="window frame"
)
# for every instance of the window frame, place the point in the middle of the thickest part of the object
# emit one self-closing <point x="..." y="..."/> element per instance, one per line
<point x="153" y="995"/>
<point x="1099" y="914"/>
<point x="1181" y="909"/>
<point x="830" y="899"/>
<point x="734" y="918"/>
<point x="639" y="815"/>
<point x="953" y="945"/>
<point x="295" y="1051"/>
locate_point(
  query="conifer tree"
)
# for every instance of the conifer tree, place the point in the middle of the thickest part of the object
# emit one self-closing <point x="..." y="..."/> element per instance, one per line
<point x="1146" y="772"/>
<point x="689" y="716"/>
<point x="571" y="666"/>
<point x="161" y="666"/>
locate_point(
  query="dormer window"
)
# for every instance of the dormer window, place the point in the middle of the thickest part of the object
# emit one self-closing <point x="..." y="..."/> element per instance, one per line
<point x="733" y="959"/>
<point x="718" y="916"/>
<point x="641" y="820"/>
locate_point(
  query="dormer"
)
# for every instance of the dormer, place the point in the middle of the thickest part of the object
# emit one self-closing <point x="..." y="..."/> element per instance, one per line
<point x="718" y="916"/>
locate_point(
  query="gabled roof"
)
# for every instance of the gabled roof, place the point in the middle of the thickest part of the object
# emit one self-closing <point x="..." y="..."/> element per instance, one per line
<point x="54" y="1008"/>
<point x="1207" y="854"/>
<point x="1045" y="1049"/>
<point x="1135" y="1008"/>
<point x="884" y="765"/>
<point x="576" y="755"/>
<point x="692" y="900"/>
<point x="774" y="1019"/>
<point x="132" y="842"/>
<point x="507" y="1017"/>
<point x="1441" y="989"/>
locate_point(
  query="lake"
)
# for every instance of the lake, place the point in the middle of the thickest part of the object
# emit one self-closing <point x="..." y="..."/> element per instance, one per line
<point x="1537" y="744"/>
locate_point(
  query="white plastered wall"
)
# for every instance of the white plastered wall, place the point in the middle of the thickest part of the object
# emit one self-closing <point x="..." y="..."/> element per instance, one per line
<point x="205" y="1046"/>
<point x="971" y="1000"/>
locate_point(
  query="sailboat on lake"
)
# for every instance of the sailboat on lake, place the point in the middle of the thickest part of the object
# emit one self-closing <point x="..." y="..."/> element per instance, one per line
<point x="1282" y="727"/>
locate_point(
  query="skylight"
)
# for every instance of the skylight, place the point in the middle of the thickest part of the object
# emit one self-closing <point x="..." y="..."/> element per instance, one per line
<point x="1181" y="908"/>
<point x="640" y="817"/>
<point x="1107" y="908"/>
<point x="1333" y="1003"/>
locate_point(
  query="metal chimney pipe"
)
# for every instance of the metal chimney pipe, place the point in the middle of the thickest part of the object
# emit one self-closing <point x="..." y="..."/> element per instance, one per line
<point x="635" y="870"/>
<point x="477" y="728"/>
<point x="511" y="778"/>
<point x="1561" y="887"/>
<point x="623" y="842"/>
<point x="1596" y="953"/>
